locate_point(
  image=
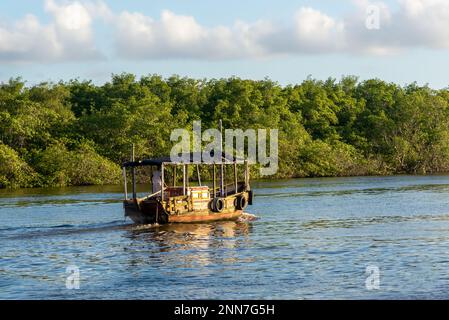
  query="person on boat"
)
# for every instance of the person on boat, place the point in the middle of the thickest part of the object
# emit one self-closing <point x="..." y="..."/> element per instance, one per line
<point x="156" y="181"/>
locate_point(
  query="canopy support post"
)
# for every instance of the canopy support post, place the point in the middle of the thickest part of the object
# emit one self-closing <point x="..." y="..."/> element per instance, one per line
<point x="162" y="182"/>
<point x="187" y="177"/>
<point x="214" y="182"/>
<point x="183" y="179"/>
<point x="246" y="175"/>
<point x="125" y="183"/>
<point x="222" y="164"/>
<point x="174" y="175"/>
<point x="134" y="174"/>
<point x="198" y="173"/>
<point x="235" y="177"/>
<point x="224" y="183"/>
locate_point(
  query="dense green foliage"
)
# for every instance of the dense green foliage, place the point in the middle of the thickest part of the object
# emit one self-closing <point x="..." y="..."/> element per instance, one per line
<point x="78" y="133"/>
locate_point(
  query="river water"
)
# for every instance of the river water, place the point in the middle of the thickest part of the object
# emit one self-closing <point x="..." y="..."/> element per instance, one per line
<point x="330" y="238"/>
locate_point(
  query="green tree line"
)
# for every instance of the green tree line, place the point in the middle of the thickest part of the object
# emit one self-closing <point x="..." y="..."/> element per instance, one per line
<point x="78" y="133"/>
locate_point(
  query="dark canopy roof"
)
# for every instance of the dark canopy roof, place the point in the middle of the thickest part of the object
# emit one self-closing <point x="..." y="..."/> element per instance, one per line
<point x="226" y="158"/>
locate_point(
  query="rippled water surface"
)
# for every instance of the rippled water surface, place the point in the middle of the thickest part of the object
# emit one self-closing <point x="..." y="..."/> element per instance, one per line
<point x="314" y="239"/>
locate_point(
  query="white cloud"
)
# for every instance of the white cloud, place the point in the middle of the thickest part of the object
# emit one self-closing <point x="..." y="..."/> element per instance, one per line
<point x="181" y="36"/>
<point x="27" y="40"/>
<point x="70" y="17"/>
<point x="173" y="35"/>
<point x="68" y="36"/>
<point x="318" y="31"/>
<point x="133" y="35"/>
<point x="425" y="22"/>
<point x="415" y="24"/>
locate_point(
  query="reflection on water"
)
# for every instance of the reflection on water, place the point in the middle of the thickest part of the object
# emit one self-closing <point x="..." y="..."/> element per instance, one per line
<point x="194" y="242"/>
<point x="314" y="239"/>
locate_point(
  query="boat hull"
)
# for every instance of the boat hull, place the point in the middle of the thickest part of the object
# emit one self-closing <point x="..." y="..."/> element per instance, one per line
<point x="147" y="212"/>
<point x="205" y="217"/>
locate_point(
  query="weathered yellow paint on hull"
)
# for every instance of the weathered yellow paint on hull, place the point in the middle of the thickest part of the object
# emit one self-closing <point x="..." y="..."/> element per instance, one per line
<point x="143" y="211"/>
<point x="204" y="217"/>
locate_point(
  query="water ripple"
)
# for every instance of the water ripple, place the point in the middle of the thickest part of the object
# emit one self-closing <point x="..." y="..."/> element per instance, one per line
<point x="312" y="239"/>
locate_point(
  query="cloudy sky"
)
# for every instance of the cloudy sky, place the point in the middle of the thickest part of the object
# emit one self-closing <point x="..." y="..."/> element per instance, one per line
<point x="396" y="40"/>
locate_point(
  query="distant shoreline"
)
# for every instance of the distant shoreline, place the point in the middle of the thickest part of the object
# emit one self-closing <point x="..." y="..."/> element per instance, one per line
<point x="78" y="133"/>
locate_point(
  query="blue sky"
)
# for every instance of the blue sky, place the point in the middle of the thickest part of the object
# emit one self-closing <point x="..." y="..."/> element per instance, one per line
<point x="50" y="40"/>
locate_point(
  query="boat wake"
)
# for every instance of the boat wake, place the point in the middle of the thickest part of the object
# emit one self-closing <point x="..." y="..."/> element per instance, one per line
<point x="139" y="227"/>
<point x="60" y="230"/>
<point x="66" y="229"/>
<point x="245" y="217"/>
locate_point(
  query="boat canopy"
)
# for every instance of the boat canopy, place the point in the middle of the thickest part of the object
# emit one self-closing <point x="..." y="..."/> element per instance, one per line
<point x="192" y="156"/>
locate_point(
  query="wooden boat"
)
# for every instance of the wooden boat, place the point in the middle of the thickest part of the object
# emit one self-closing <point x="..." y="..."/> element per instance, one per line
<point x="185" y="203"/>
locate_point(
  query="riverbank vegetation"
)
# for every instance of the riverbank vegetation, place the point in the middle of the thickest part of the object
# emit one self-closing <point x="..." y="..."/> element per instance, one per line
<point x="78" y="133"/>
